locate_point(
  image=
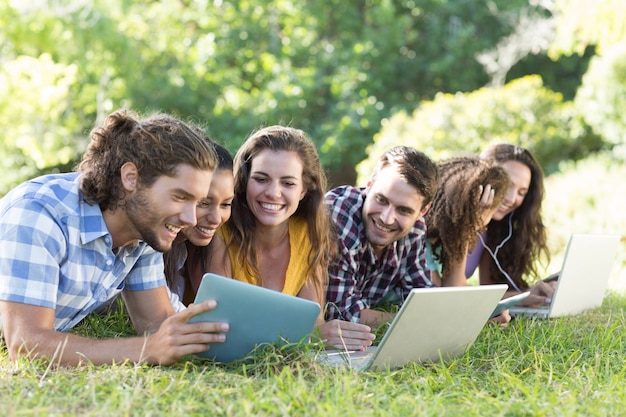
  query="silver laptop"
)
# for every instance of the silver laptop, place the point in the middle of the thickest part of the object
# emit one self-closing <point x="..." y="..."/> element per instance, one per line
<point x="432" y="323"/>
<point x="256" y="315"/>
<point x="583" y="278"/>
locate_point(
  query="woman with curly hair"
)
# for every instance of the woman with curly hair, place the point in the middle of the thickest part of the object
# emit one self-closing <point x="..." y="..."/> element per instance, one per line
<point x="470" y="192"/>
<point x="516" y="236"/>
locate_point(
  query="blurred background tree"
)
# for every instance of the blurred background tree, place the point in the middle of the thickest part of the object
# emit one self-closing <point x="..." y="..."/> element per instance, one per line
<point x="523" y="112"/>
<point x="335" y="68"/>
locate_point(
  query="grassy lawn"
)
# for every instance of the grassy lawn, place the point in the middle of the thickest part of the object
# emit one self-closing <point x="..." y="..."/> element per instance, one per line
<point x="563" y="367"/>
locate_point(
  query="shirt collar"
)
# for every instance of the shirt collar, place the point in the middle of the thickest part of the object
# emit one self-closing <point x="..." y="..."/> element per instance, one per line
<point x="92" y="225"/>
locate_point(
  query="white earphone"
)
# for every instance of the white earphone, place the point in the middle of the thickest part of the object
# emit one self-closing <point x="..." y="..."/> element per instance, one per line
<point x="494" y="254"/>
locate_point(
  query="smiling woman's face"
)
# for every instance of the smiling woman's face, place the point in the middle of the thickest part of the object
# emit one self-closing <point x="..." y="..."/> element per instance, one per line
<point x="275" y="186"/>
<point x="214" y="210"/>
<point x="520" y="176"/>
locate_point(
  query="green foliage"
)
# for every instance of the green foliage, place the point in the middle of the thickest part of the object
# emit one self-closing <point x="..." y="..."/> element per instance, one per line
<point x="522" y="112"/>
<point x="563" y="75"/>
<point x="585" y="197"/>
<point x="333" y="68"/>
<point x="112" y="321"/>
<point x="588" y="22"/>
<point x="601" y="99"/>
<point x="39" y="126"/>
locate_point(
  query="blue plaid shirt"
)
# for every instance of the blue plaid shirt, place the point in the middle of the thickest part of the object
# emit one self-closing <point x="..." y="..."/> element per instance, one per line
<point x="55" y="252"/>
<point x="357" y="280"/>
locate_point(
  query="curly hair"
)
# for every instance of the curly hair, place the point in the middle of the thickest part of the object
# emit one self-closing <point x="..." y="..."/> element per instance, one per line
<point x="455" y="216"/>
<point x="157" y="146"/>
<point x="242" y="223"/>
<point x="529" y="240"/>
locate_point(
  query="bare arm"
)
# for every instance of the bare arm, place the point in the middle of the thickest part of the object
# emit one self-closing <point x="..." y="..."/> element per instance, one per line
<point x="308" y="292"/>
<point x="148" y="309"/>
<point x="455" y="276"/>
<point x="29" y="332"/>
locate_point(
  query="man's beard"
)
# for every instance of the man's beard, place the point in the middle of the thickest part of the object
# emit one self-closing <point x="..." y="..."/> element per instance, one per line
<point x="140" y="212"/>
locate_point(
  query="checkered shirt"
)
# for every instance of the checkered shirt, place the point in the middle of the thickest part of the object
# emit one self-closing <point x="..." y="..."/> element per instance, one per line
<point x="357" y="280"/>
<point x="55" y="252"/>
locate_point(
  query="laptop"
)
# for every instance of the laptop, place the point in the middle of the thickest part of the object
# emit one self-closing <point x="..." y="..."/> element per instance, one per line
<point x="432" y="323"/>
<point x="256" y="315"/>
<point x="583" y="278"/>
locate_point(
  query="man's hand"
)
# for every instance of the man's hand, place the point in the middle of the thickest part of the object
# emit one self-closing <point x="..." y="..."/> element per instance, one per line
<point x="345" y="335"/>
<point x="28" y="331"/>
<point x="176" y="337"/>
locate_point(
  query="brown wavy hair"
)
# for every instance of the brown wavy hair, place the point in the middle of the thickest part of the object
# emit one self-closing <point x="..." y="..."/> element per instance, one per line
<point x="529" y="238"/>
<point x="454" y="218"/>
<point x="242" y="222"/>
<point x="156" y="145"/>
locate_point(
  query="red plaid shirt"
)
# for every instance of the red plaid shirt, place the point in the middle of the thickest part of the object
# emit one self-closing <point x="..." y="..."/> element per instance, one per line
<point x="357" y="280"/>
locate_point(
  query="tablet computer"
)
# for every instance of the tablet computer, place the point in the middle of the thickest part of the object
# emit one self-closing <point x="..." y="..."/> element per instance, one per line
<point x="255" y="315"/>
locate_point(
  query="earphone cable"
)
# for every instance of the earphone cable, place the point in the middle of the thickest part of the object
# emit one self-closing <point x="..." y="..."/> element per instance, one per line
<point x="494" y="254"/>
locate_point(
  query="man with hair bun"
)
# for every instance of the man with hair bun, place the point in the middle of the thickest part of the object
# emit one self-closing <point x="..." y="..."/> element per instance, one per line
<point x="71" y="242"/>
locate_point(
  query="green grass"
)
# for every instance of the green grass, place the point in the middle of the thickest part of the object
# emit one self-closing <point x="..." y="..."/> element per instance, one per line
<point x="562" y="367"/>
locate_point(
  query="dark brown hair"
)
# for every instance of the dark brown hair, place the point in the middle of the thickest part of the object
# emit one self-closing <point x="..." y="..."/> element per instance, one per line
<point x="157" y="146"/>
<point x="242" y="223"/>
<point x="529" y="241"/>
<point x="414" y="167"/>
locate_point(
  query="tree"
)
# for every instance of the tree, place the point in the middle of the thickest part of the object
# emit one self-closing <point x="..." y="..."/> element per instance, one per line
<point x="582" y="23"/>
<point x="602" y="96"/>
<point x="335" y="68"/>
<point x="39" y="127"/>
<point x="533" y="30"/>
<point x="523" y="112"/>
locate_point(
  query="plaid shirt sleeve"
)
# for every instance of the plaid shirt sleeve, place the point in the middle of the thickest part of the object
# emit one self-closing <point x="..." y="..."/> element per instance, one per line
<point x="343" y="298"/>
<point x="31" y="249"/>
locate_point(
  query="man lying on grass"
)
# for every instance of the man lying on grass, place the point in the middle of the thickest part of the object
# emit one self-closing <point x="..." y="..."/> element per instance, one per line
<point x="71" y="242"/>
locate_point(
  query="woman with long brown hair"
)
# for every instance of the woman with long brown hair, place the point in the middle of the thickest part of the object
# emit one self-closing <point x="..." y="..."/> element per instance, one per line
<point x="515" y="238"/>
<point x="278" y="235"/>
